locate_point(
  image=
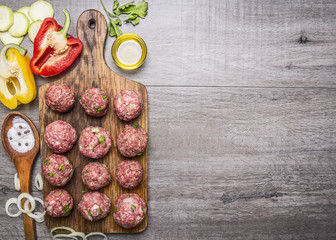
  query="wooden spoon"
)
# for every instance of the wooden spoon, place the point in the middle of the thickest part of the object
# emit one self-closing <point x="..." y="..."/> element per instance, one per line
<point x="23" y="163"/>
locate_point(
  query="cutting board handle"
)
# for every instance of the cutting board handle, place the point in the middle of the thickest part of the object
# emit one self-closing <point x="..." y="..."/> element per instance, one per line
<point x="92" y="31"/>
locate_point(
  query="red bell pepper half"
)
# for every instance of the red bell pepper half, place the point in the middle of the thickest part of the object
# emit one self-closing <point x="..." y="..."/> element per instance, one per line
<point x="54" y="49"/>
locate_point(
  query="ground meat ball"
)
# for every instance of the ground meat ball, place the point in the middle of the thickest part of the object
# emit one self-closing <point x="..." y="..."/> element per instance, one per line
<point x="57" y="170"/>
<point x="60" y="136"/>
<point x="129" y="210"/>
<point x="58" y="203"/>
<point x="94" y="142"/>
<point x="132" y="141"/>
<point x="60" y="98"/>
<point x="129" y="173"/>
<point x="127" y="105"/>
<point x="94" y="206"/>
<point x="95" y="175"/>
<point x="94" y="101"/>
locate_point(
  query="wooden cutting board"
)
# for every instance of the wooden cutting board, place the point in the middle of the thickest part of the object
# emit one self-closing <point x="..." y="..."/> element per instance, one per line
<point x="90" y="70"/>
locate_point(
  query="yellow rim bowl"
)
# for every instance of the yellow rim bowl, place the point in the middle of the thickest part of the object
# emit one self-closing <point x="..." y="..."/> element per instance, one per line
<point x="127" y="37"/>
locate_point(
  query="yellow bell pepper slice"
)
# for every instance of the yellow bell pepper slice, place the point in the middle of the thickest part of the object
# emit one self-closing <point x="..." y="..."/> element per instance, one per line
<point x="17" y="83"/>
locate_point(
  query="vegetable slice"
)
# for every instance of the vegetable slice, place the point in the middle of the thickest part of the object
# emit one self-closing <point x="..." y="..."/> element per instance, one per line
<point x="6" y="18"/>
<point x="33" y="29"/>
<point x="39" y="217"/>
<point x="6" y="38"/>
<point x="10" y="202"/>
<point x="25" y="11"/>
<point x="39" y="182"/>
<point x="40" y="10"/>
<point x="29" y="198"/>
<point x="20" y="25"/>
<point x="17" y="185"/>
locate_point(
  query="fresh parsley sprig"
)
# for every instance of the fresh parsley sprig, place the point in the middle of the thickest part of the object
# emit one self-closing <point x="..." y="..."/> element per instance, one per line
<point x="133" y="12"/>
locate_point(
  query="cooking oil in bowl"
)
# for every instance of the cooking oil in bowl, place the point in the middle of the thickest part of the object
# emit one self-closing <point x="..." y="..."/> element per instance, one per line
<point x="129" y="51"/>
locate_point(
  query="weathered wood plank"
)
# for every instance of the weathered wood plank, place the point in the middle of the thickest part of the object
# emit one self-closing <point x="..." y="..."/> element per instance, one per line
<point x="236" y="163"/>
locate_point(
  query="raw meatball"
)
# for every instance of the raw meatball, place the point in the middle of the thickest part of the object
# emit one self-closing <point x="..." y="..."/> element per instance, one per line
<point x="94" y="206"/>
<point x="129" y="210"/>
<point x="94" y="101"/>
<point x="60" y="136"/>
<point x="94" y="142"/>
<point x="57" y="170"/>
<point x="58" y="203"/>
<point x="132" y="141"/>
<point x="95" y="175"/>
<point x="129" y="173"/>
<point x="127" y="105"/>
<point x="60" y="98"/>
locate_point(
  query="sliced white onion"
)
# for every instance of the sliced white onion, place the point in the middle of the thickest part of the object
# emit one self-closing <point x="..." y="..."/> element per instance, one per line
<point x="17" y="182"/>
<point x="39" y="182"/>
<point x="10" y="202"/>
<point x="29" y="198"/>
<point x="41" y="219"/>
<point x="37" y="216"/>
<point x="96" y="233"/>
<point x="73" y="234"/>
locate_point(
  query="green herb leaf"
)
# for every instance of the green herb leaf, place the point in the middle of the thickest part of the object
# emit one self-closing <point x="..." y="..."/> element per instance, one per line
<point x="115" y="210"/>
<point x="79" y="97"/>
<point x="99" y="211"/>
<point x="46" y="162"/>
<point x="86" y="172"/>
<point x="98" y="110"/>
<point x="136" y="125"/>
<point x="84" y="191"/>
<point x="126" y="8"/>
<point x="51" y="174"/>
<point x="133" y="207"/>
<point x="89" y="213"/>
<point x="103" y="96"/>
<point x="101" y="139"/>
<point x="115" y="6"/>
<point x="139" y="139"/>
<point x="132" y="223"/>
<point x="105" y="146"/>
<point x="60" y="193"/>
<point x="127" y="196"/>
<point x="90" y="97"/>
<point x="60" y="167"/>
<point x="67" y="209"/>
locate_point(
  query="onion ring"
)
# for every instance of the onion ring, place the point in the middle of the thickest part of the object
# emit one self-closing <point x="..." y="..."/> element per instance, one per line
<point x="96" y="233"/>
<point x="29" y="198"/>
<point x="10" y="202"/>
<point x="39" y="182"/>
<point x="37" y="216"/>
<point x="73" y="235"/>
<point x="17" y="182"/>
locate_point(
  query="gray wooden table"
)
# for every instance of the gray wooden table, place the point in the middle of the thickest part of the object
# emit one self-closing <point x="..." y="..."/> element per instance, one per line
<point x="242" y="118"/>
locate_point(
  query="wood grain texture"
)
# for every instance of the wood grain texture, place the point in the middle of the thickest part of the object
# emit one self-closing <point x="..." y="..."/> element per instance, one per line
<point x="227" y="161"/>
<point x="90" y="71"/>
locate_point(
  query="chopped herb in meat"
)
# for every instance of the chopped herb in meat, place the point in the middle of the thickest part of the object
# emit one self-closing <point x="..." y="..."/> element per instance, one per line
<point x="101" y="139"/>
<point x="89" y="213"/>
<point x="79" y="97"/>
<point x="67" y="209"/>
<point x="60" y="167"/>
<point x="133" y="207"/>
<point x="105" y="146"/>
<point x="84" y="191"/>
<point x="99" y="110"/>
<point x="127" y="196"/>
<point x="139" y="139"/>
<point x="115" y="210"/>
<point x="132" y="223"/>
<point x="103" y="96"/>
<point x="46" y="162"/>
<point x="60" y="193"/>
<point x="136" y="125"/>
<point x="51" y="174"/>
